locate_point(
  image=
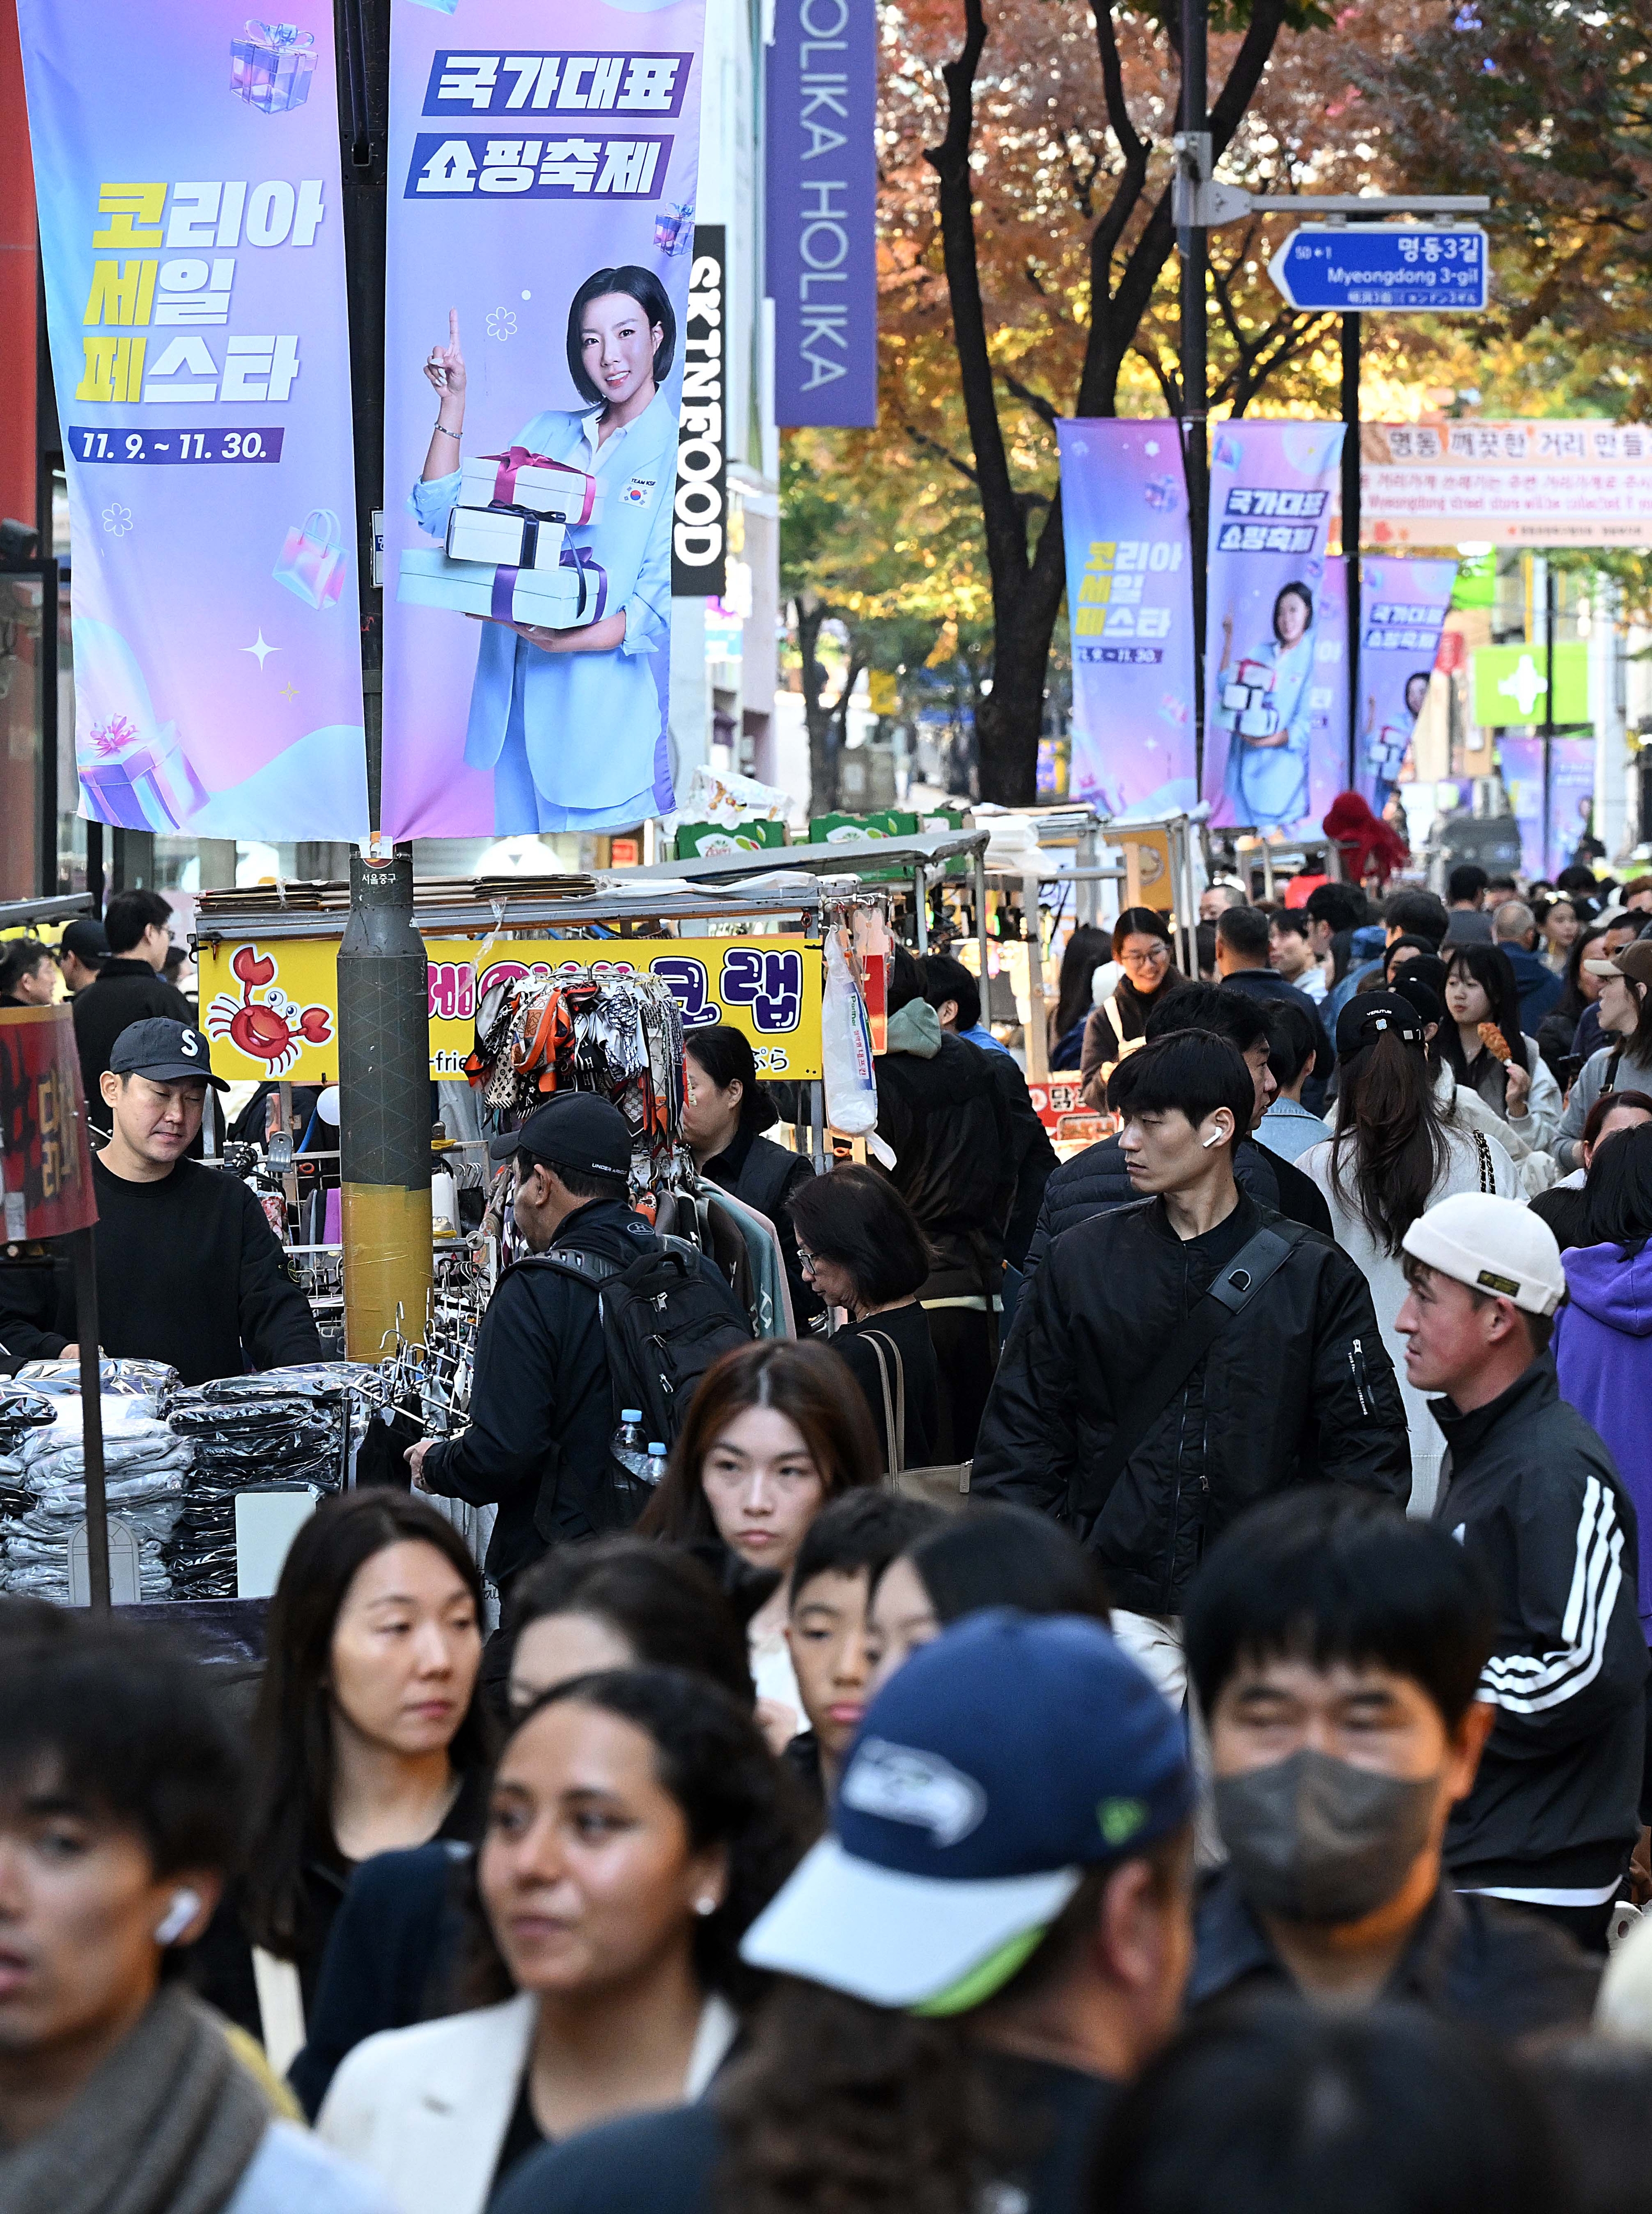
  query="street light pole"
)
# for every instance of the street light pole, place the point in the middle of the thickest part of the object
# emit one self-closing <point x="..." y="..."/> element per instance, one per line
<point x="1351" y="335"/>
<point x="1193" y="244"/>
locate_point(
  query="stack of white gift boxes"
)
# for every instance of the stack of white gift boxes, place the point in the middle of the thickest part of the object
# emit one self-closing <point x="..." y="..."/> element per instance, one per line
<point x="1248" y="697"/>
<point x="507" y="554"/>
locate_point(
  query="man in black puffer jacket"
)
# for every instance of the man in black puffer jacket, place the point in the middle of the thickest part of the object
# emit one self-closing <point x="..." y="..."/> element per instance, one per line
<point x="1096" y="1180"/>
<point x="1296" y="1387"/>
<point x="940" y="1108"/>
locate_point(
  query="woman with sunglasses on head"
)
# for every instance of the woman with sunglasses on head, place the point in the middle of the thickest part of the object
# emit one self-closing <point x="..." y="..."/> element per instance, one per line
<point x="1483" y="1045"/>
<point x="1142" y="947"/>
<point x="637" y="1825"/>
<point x="774" y="1431"/>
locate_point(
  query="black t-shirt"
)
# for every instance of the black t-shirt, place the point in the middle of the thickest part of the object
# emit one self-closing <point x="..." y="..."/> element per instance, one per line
<point x="908" y="1330"/>
<point x="523" y="2136"/>
<point x="1049" y="2119"/>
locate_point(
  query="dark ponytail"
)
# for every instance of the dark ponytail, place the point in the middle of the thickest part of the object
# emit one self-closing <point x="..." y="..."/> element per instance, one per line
<point x="1389" y="1137"/>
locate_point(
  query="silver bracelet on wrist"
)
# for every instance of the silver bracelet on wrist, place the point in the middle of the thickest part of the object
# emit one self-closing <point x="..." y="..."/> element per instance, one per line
<point x="444" y="429"/>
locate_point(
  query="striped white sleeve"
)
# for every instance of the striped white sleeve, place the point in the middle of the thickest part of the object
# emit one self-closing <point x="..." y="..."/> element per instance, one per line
<point x="1532" y="1683"/>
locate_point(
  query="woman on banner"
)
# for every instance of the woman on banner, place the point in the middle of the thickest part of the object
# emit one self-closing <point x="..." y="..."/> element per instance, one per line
<point x="1387" y="745"/>
<point x="1267" y="776"/>
<point x="571" y="721"/>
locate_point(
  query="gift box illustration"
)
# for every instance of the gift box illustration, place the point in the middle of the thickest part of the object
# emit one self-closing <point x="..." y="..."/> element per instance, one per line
<point x="521" y="479"/>
<point x="1388" y="750"/>
<point x="1248" y="696"/>
<point x="271" y="65"/>
<point x="674" y="228"/>
<point x="137" y="782"/>
<point x="312" y="562"/>
<point x="575" y="591"/>
<point x="512" y="534"/>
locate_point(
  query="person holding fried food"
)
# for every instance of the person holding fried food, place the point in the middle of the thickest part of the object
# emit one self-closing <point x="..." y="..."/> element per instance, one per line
<point x="1486" y="1049"/>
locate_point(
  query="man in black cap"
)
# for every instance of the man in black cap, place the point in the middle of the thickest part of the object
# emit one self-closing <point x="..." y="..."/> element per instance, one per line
<point x="188" y="1269"/>
<point x="81" y="952"/>
<point x="541" y="1412"/>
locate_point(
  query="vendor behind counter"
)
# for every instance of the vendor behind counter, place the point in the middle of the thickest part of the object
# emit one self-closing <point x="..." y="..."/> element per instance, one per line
<point x="188" y="1269"/>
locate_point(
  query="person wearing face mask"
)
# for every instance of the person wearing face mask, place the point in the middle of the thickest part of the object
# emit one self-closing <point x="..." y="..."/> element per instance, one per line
<point x="1336" y="1650"/>
<point x="1533" y="1498"/>
<point x="776" y="1430"/>
<point x="1171" y="1364"/>
<point x="637" y="1825"/>
<point x="393" y="1951"/>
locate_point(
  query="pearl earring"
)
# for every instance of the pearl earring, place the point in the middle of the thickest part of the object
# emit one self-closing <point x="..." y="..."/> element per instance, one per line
<point x="706" y="1905"/>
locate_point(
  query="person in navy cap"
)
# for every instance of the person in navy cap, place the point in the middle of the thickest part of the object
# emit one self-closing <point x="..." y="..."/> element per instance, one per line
<point x="188" y="1269"/>
<point x="989" y="1945"/>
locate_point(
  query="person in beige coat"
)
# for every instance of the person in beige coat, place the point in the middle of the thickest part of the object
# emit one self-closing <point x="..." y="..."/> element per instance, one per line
<point x="637" y="1825"/>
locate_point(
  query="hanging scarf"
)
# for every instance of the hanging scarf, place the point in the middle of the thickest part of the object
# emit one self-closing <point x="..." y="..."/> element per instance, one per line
<point x="168" y="2124"/>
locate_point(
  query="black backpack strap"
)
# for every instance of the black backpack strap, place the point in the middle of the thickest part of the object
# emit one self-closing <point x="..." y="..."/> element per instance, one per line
<point x="592" y="1270"/>
<point x="1229" y="1294"/>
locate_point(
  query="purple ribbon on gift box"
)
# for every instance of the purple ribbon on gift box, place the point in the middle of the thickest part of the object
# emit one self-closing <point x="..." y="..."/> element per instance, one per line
<point x="593" y="577"/>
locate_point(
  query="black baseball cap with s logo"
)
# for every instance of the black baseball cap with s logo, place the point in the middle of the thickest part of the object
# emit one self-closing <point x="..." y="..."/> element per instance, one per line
<point x="165" y="1052"/>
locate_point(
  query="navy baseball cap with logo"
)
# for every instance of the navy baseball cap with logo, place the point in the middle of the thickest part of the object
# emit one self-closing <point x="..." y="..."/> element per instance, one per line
<point x="576" y="1130"/>
<point x="164" y="1051"/>
<point x="1002" y="1762"/>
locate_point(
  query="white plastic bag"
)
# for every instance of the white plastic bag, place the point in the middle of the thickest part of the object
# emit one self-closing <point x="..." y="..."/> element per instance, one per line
<point x="846" y="1049"/>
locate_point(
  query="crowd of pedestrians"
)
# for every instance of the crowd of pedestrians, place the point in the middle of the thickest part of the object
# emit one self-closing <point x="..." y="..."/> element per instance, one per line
<point x="1148" y="1710"/>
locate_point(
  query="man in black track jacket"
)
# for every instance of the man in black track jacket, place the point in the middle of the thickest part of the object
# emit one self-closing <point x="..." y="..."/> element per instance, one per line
<point x="1296" y="1387"/>
<point x="1532" y="1494"/>
<point x="1097" y="1179"/>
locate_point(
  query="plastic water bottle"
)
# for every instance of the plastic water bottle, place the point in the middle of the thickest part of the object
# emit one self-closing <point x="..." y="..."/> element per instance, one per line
<point x="656" y="1455"/>
<point x="629" y="1447"/>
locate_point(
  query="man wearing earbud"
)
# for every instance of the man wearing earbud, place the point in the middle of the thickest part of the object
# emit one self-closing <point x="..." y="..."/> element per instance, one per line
<point x="188" y="1269"/>
<point x="1174" y="1361"/>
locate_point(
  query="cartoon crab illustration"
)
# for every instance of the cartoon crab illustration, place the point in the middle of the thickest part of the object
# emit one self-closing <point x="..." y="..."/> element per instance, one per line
<point x="274" y="1028"/>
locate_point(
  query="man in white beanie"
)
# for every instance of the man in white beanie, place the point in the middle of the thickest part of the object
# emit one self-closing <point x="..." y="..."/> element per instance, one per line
<point x="1531" y="1495"/>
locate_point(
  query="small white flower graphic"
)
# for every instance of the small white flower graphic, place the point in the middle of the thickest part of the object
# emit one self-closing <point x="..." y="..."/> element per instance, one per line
<point x="501" y="324"/>
<point x="117" y="520"/>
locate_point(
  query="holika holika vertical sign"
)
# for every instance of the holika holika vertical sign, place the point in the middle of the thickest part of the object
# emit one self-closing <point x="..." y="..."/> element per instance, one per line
<point x="822" y="211"/>
<point x="186" y="170"/>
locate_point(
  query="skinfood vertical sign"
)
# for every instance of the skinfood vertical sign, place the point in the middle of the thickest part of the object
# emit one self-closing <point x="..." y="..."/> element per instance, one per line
<point x="700" y="511"/>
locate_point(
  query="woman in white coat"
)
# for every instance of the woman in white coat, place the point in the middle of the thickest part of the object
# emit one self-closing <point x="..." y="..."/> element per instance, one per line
<point x="1393" y="1155"/>
<point x="638" y="1823"/>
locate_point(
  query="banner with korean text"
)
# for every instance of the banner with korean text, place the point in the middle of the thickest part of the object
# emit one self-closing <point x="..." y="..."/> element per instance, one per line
<point x="1129" y="603"/>
<point x="1403" y="609"/>
<point x="186" y="170"/>
<point x="543" y="171"/>
<point x="1275" y="733"/>
<point x="1541" y="483"/>
<point x="1551" y="823"/>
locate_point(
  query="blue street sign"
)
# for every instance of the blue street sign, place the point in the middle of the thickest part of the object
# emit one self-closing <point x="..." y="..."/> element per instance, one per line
<point x="1392" y="267"/>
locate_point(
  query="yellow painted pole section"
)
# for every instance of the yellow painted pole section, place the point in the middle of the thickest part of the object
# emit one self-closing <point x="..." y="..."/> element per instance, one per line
<point x="386" y="1243"/>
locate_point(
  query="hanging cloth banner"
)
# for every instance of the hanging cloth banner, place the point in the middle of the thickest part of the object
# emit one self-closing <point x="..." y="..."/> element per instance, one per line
<point x="821" y="221"/>
<point x="1571" y="799"/>
<point x="186" y="170"/>
<point x="1130" y="601"/>
<point x="1403" y="609"/>
<point x="1275" y="743"/>
<point x="542" y="169"/>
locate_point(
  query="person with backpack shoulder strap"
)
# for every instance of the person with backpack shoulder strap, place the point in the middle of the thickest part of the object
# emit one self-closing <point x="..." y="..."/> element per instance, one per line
<point x="1175" y="1361"/>
<point x="602" y="1317"/>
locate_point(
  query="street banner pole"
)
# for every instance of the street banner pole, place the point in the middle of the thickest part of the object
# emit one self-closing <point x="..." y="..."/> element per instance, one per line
<point x="1351" y="334"/>
<point x="1193" y="246"/>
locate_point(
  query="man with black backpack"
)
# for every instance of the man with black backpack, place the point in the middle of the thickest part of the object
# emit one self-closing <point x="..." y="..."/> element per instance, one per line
<point x="600" y="1317"/>
<point x="1176" y="1360"/>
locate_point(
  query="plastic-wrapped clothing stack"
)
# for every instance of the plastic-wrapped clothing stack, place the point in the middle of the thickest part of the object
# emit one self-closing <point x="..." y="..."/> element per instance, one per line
<point x="22" y="1411"/>
<point x="145" y="1469"/>
<point x="271" y="1432"/>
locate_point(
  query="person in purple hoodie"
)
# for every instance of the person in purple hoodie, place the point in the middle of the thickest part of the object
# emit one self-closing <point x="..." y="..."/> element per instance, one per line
<point x="1603" y="1338"/>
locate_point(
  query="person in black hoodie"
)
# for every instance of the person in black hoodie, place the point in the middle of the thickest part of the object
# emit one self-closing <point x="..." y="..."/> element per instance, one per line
<point x="1533" y="1498"/>
<point x="954" y="994"/>
<point x="1293" y="1386"/>
<point x="941" y="1111"/>
<point x="541" y="1410"/>
<point x="129" y="987"/>
<point x="1096" y="1180"/>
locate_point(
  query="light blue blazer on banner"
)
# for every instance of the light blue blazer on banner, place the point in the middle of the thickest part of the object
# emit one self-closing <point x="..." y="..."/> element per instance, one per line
<point x="591" y="720"/>
<point x="1269" y="784"/>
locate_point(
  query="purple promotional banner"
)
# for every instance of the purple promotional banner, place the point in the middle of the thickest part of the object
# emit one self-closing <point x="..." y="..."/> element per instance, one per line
<point x="540" y="242"/>
<point x="821" y="107"/>
<point x="186" y="170"/>
<point x="1571" y="798"/>
<point x="1130" y="601"/>
<point x="1403" y="609"/>
<point x="1275" y="711"/>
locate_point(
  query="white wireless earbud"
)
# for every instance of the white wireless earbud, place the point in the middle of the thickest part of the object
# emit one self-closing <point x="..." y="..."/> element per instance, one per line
<point x="185" y="1905"/>
<point x="1214" y="1139"/>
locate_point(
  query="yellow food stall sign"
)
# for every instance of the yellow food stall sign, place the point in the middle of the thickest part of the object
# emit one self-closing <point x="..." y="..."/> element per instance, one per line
<point x="271" y="1007"/>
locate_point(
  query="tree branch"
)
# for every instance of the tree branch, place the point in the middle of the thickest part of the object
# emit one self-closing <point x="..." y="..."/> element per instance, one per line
<point x="933" y="445"/>
<point x="1035" y="400"/>
<point x="1104" y="240"/>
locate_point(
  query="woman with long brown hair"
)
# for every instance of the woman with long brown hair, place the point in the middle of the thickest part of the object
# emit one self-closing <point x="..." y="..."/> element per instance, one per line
<point x="775" y="1430"/>
<point x="1395" y="1152"/>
